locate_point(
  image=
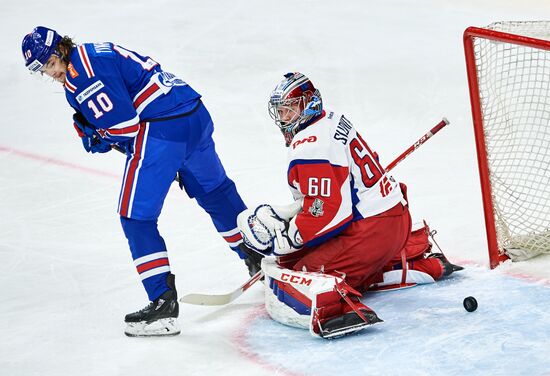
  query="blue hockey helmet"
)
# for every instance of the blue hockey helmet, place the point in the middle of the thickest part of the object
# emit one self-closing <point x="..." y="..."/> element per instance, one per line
<point x="294" y="104"/>
<point x="38" y="46"/>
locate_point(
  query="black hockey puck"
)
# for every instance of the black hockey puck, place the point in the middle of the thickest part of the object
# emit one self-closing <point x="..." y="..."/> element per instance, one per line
<point x="470" y="304"/>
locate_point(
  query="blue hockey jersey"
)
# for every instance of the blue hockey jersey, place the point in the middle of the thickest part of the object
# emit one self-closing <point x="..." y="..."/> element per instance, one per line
<point x="116" y="89"/>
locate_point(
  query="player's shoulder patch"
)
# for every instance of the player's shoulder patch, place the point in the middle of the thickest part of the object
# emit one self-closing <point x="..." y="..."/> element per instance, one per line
<point x="72" y="70"/>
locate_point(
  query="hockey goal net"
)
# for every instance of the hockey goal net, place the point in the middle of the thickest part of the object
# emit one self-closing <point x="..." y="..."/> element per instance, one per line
<point x="508" y="66"/>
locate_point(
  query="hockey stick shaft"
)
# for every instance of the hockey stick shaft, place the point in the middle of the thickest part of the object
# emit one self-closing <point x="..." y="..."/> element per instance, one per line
<point x="418" y="143"/>
<point x="222" y="299"/>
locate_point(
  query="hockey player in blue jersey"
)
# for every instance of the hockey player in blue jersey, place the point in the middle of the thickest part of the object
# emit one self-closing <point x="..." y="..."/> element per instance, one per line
<point x="126" y="100"/>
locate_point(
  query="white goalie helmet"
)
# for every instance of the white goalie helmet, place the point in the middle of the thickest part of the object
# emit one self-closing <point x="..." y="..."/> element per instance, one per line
<point x="293" y="104"/>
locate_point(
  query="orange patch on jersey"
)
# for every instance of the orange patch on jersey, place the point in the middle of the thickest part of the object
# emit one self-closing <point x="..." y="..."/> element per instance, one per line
<point x="72" y="71"/>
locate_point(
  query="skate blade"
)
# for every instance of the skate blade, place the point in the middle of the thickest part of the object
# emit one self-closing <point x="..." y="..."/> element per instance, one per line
<point x="347" y="331"/>
<point x="160" y="328"/>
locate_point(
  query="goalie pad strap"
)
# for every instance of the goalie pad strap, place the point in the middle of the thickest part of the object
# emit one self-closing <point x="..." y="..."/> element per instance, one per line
<point x="417" y="244"/>
<point x="350" y="302"/>
<point x="404" y="265"/>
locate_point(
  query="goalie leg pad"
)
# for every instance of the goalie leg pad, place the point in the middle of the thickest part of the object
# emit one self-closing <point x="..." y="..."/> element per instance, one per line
<point x="288" y="293"/>
<point x="416" y="264"/>
<point x="322" y="303"/>
<point x="393" y="280"/>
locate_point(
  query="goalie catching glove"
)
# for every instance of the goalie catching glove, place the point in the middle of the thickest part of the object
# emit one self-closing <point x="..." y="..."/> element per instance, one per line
<point x="271" y="229"/>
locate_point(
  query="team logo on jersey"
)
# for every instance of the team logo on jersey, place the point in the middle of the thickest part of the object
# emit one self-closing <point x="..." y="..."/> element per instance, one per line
<point x="72" y="72"/>
<point x="169" y="80"/>
<point x="299" y="142"/>
<point x="316" y="209"/>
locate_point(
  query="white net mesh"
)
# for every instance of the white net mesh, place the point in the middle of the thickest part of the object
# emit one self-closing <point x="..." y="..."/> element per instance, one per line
<point x="514" y="84"/>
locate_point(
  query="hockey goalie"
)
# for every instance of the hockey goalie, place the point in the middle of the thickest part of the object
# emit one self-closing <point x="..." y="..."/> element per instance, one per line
<point x="348" y="230"/>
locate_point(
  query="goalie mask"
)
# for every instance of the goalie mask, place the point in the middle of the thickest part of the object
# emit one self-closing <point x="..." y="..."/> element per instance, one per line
<point x="38" y="46"/>
<point x="293" y="104"/>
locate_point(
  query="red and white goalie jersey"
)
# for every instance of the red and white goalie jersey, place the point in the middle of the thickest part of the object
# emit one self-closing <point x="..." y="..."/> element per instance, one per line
<point x="338" y="177"/>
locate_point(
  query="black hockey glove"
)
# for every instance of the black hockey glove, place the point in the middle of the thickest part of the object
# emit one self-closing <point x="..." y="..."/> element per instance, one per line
<point x="91" y="140"/>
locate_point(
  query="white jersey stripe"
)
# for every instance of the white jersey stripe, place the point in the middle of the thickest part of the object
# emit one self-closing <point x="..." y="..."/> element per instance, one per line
<point x="83" y="54"/>
<point x="149" y="99"/>
<point x="134" y="122"/>
<point x="136" y="174"/>
<point x="69" y="86"/>
<point x="155" y="271"/>
<point x="151" y="257"/>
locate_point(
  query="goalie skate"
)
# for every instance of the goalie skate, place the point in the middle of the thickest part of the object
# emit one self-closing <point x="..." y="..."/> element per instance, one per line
<point x="347" y="324"/>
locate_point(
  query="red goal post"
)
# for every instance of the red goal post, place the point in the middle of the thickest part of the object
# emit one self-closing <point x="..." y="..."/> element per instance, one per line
<point x="508" y="66"/>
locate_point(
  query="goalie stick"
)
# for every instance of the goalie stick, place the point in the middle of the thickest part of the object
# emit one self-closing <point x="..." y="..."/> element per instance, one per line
<point x="418" y="143"/>
<point x="222" y="299"/>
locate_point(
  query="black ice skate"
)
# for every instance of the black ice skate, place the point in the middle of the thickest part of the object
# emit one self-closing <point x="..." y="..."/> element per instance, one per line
<point x="253" y="259"/>
<point x="159" y="318"/>
<point x="448" y="268"/>
<point x="348" y="323"/>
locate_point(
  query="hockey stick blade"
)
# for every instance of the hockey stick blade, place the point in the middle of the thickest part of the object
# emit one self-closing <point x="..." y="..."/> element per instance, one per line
<point x="221" y="299"/>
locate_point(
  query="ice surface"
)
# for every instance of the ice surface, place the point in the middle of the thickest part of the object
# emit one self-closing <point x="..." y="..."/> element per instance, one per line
<point x="426" y="331"/>
<point x="394" y="67"/>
